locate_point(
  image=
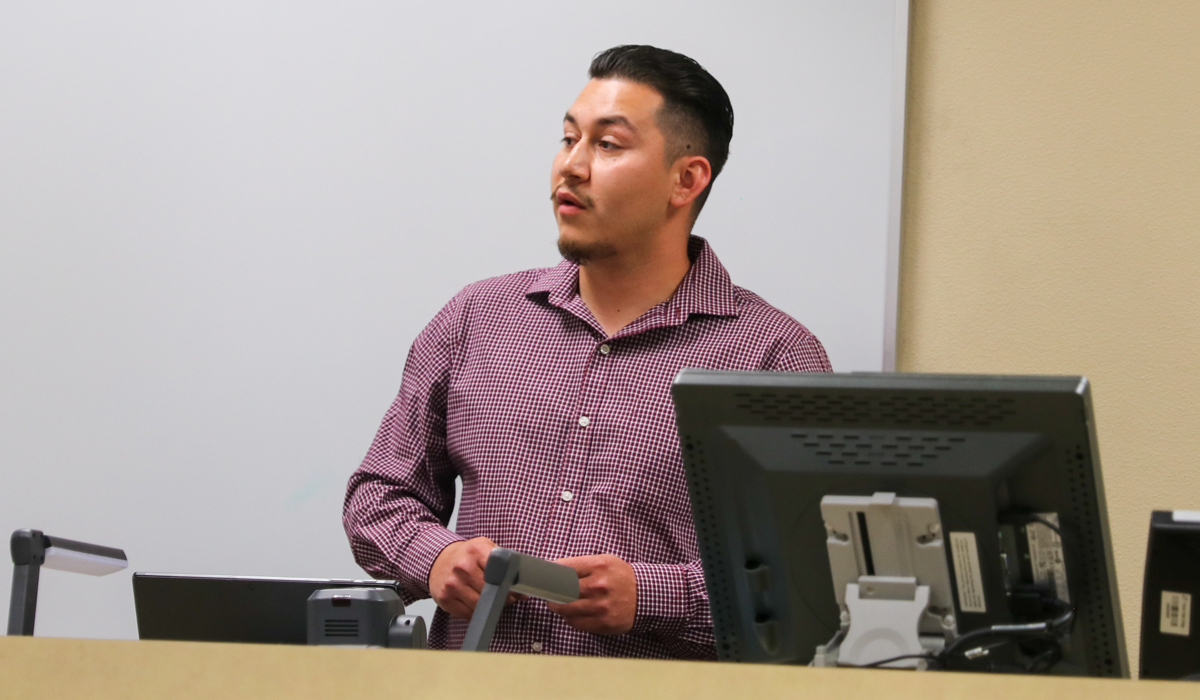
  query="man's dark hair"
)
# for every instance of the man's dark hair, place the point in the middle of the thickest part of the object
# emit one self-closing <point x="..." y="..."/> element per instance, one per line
<point x="696" y="115"/>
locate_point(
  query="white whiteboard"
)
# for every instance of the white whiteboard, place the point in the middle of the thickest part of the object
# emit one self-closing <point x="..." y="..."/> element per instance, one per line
<point x="223" y="223"/>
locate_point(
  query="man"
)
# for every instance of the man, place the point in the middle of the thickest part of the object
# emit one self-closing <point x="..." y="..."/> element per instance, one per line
<point x="547" y="391"/>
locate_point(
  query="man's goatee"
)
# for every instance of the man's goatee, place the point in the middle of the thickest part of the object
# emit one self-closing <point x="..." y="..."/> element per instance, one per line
<point x="583" y="253"/>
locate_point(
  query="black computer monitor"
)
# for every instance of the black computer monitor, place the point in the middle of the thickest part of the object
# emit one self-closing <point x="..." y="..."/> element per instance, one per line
<point x="787" y="470"/>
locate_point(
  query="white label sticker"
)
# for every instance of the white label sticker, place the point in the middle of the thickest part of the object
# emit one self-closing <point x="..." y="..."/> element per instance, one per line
<point x="1046" y="556"/>
<point x="966" y="572"/>
<point x="1176" y="615"/>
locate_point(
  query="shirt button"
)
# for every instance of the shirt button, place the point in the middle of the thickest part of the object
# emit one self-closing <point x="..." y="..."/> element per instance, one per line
<point x="583" y="421"/>
<point x="567" y="495"/>
<point x="536" y="646"/>
<point x="605" y="349"/>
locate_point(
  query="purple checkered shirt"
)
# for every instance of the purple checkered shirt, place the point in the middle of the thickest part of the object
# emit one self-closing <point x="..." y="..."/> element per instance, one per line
<point x="566" y="443"/>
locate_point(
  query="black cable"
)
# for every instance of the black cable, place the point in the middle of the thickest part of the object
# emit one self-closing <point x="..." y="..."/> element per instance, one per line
<point x="1047" y="631"/>
<point x="1033" y="630"/>
<point x="876" y="664"/>
<point x="1027" y="518"/>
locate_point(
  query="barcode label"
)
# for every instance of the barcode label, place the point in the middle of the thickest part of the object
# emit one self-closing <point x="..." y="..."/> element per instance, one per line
<point x="966" y="572"/>
<point x="1046" y="556"/>
<point x="1176" y="615"/>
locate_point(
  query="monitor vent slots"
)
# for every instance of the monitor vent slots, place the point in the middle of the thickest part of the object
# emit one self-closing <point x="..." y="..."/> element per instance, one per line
<point x="724" y="618"/>
<point x="923" y="411"/>
<point x="863" y="450"/>
<point x="341" y="628"/>
<point x="1087" y="552"/>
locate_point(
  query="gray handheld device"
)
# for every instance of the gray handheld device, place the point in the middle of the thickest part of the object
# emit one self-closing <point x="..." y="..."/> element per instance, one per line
<point x="519" y="573"/>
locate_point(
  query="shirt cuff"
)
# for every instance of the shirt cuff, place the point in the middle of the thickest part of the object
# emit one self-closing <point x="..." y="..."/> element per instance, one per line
<point x="423" y="549"/>
<point x="663" y="593"/>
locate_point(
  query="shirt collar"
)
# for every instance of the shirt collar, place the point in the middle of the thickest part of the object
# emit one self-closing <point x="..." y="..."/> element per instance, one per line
<point x="705" y="289"/>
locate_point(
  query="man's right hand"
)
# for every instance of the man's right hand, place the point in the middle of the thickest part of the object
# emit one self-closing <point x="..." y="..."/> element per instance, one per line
<point x="456" y="577"/>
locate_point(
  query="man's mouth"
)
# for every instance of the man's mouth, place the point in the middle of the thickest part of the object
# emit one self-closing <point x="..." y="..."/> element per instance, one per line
<point x="568" y="203"/>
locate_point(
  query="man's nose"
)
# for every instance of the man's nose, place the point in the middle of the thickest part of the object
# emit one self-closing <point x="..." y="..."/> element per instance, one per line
<point x="575" y="166"/>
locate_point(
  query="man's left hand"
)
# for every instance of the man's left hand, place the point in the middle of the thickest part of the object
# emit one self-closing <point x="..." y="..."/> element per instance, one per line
<point x="607" y="595"/>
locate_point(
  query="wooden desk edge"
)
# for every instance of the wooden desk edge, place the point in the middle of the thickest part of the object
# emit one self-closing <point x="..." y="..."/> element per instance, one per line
<point x="35" y="667"/>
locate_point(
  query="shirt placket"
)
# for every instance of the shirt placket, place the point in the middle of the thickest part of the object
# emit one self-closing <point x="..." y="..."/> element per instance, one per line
<point x="571" y="489"/>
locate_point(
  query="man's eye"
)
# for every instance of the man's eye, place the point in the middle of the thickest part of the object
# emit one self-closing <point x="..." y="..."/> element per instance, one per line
<point x="568" y="140"/>
<point x="608" y="146"/>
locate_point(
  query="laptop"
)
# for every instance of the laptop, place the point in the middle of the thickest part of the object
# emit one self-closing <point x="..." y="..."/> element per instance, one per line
<point x="211" y="608"/>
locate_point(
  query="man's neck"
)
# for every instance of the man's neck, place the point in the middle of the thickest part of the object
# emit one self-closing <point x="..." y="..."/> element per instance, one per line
<point x="619" y="289"/>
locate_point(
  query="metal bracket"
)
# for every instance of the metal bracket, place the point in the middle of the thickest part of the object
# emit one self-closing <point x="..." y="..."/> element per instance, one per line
<point x="891" y="579"/>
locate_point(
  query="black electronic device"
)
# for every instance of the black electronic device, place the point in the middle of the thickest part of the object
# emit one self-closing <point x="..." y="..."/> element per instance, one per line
<point x="213" y="608"/>
<point x="1170" y="646"/>
<point x="362" y="617"/>
<point x="997" y="476"/>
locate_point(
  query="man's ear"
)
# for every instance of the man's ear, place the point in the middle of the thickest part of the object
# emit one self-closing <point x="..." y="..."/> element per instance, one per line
<point x="692" y="175"/>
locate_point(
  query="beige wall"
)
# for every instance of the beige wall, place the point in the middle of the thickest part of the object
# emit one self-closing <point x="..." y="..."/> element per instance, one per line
<point x="1052" y="225"/>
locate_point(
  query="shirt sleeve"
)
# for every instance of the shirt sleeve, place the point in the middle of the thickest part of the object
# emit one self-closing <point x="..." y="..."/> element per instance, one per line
<point x="798" y="350"/>
<point x="672" y="605"/>
<point x="400" y="499"/>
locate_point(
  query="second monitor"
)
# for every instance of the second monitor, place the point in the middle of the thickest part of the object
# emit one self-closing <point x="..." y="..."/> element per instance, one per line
<point x="955" y="521"/>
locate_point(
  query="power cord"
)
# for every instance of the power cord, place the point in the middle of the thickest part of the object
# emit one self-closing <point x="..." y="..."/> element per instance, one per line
<point x="1041" y="641"/>
<point x="1045" y="636"/>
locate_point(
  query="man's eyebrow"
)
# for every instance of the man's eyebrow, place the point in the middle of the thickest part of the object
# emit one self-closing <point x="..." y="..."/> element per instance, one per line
<point x="616" y="120"/>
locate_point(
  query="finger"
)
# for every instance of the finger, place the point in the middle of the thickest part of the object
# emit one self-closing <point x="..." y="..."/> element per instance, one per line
<point x="460" y="590"/>
<point x="481" y="549"/>
<point x="583" y="566"/>
<point x="455" y="610"/>
<point x="467" y="598"/>
<point x="468" y="572"/>
<point x="586" y="566"/>
<point x="477" y="558"/>
<point x="595" y="585"/>
<point x="456" y="607"/>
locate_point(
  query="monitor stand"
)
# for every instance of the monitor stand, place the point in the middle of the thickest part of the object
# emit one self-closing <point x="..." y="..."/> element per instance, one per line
<point x="892" y="581"/>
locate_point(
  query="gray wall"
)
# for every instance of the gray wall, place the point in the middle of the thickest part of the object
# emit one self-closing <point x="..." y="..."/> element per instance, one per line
<point x="222" y="224"/>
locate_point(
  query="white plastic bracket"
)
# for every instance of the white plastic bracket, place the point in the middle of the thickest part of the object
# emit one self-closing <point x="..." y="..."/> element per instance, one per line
<point x="892" y="581"/>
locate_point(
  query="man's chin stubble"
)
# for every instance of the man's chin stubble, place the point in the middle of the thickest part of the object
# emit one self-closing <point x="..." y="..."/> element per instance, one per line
<point x="583" y="253"/>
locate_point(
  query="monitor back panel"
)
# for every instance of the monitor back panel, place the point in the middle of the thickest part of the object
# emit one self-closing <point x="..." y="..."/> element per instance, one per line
<point x="761" y="449"/>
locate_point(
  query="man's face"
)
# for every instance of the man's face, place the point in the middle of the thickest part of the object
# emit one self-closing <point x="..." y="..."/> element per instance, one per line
<point x="609" y="184"/>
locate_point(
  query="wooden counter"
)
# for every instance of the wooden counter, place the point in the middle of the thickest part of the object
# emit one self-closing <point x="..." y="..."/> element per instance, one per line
<point x="35" y="667"/>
